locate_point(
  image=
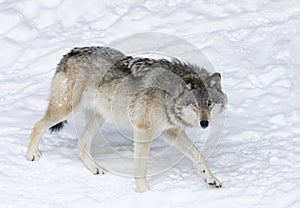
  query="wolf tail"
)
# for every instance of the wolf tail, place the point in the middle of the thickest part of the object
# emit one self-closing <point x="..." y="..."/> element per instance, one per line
<point x="57" y="127"/>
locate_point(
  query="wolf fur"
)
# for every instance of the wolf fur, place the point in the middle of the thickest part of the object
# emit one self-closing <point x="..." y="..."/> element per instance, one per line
<point x="153" y="97"/>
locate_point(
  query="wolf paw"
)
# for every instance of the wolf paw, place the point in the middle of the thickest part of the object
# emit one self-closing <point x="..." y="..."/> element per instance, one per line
<point x="141" y="185"/>
<point x="34" y="156"/>
<point x="214" y="182"/>
<point x="94" y="168"/>
<point x="97" y="171"/>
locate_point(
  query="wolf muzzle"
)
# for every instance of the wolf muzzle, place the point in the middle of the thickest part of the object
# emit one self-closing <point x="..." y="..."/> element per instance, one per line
<point x="204" y="123"/>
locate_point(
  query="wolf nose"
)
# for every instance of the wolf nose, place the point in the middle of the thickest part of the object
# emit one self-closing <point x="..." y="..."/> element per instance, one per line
<point x="204" y="124"/>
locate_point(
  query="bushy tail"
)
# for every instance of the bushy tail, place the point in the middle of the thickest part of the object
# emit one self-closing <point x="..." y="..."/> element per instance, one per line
<point x="57" y="127"/>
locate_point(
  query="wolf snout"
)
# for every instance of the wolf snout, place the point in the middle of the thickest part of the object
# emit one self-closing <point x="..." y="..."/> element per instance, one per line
<point x="204" y="124"/>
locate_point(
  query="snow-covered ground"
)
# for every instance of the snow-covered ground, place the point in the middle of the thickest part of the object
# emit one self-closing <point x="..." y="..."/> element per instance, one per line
<point x="254" y="44"/>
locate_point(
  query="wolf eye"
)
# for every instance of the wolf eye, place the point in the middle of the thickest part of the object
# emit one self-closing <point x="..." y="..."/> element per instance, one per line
<point x="209" y="103"/>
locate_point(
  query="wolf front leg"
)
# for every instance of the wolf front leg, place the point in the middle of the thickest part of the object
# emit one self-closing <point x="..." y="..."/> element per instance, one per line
<point x="180" y="140"/>
<point x="142" y="143"/>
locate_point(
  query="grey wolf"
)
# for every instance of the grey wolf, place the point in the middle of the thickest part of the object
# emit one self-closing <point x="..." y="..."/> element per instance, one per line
<point x="152" y="97"/>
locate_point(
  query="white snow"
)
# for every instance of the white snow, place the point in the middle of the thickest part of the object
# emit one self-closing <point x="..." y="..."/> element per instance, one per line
<point x="254" y="44"/>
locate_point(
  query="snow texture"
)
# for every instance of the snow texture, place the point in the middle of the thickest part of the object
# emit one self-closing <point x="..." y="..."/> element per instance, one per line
<point x="254" y="44"/>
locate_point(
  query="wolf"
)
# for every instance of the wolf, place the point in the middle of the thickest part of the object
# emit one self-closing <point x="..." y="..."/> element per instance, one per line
<point x="153" y="97"/>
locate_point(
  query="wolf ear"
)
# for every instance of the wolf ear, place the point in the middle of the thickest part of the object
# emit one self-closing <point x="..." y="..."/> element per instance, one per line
<point x="188" y="86"/>
<point x="188" y="83"/>
<point x="214" y="80"/>
<point x="183" y="86"/>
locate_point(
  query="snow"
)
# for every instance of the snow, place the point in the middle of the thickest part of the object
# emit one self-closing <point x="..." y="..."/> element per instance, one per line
<point x="254" y="44"/>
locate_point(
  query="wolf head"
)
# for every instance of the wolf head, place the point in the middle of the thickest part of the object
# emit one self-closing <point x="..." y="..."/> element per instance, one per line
<point x="199" y="100"/>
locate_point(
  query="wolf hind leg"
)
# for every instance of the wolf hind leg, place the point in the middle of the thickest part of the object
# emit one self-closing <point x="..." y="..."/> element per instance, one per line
<point x="93" y="123"/>
<point x="53" y="116"/>
<point x="64" y="99"/>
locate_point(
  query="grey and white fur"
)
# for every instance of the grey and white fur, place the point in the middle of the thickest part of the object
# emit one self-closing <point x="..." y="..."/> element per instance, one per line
<point x="151" y="97"/>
